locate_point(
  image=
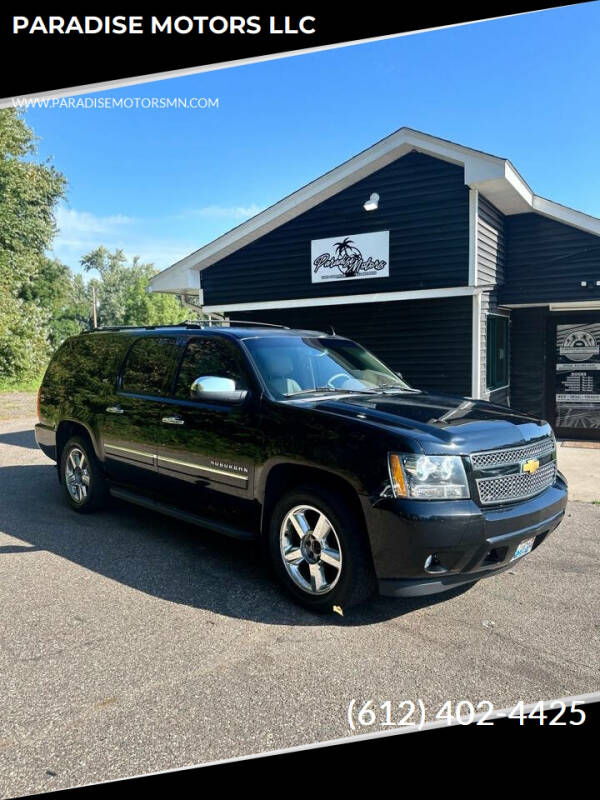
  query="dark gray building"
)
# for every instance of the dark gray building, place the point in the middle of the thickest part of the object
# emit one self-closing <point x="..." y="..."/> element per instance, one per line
<point x="438" y="258"/>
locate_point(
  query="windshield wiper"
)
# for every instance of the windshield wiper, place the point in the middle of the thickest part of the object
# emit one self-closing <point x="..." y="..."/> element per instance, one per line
<point x="397" y="386"/>
<point x="330" y="390"/>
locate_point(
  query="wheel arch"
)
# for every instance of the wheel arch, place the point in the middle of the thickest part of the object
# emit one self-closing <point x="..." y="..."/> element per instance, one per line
<point x="68" y="428"/>
<point x="284" y="476"/>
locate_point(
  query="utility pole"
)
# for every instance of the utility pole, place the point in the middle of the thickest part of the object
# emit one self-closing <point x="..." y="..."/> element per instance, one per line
<point x="94" y="317"/>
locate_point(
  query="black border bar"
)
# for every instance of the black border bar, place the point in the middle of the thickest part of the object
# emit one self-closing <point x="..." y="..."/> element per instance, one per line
<point x="42" y="63"/>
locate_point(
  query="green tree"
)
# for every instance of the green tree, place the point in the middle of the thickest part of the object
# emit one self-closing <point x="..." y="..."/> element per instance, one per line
<point x="28" y="193"/>
<point x="23" y="340"/>
<point x="121" y="291"/>
<point x="63" y="295"/>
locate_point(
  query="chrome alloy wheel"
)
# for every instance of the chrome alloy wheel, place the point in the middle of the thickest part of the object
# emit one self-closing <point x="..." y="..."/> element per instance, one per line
<point x="77" y="476"/>
<point x="310" y="549"/>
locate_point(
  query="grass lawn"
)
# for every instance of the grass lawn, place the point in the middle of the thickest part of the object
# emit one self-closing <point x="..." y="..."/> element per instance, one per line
<point x="6" y="387"/>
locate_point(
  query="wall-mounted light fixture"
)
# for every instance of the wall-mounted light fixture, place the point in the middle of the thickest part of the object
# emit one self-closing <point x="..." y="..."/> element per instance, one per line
<point x="372" y="204"/>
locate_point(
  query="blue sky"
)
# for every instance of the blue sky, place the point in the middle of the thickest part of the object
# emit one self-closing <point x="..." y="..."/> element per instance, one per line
<point x="161" y="183"/>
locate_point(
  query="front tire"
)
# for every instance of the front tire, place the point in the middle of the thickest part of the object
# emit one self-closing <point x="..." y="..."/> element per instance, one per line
<point x="319" y="551"/>
<point x="81" y="476"/>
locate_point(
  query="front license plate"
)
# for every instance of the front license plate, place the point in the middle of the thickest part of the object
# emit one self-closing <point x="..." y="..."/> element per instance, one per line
<point x="523" y="548"/>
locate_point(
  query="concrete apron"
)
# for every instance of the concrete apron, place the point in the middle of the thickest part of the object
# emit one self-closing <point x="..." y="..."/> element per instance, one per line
<point x="580" y="463"/>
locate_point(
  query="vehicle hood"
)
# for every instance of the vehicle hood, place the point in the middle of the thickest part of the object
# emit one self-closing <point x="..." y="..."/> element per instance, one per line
<point x="441" y="423"/>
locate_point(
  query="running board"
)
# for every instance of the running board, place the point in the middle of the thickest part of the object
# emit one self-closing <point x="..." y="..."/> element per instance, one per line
<point x="177" y="513"/>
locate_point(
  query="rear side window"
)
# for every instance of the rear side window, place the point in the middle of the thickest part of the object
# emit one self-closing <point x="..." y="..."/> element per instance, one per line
<point x="88" y="362"/>
<point x="210" y="355"/>
<point x="149" y="366"/>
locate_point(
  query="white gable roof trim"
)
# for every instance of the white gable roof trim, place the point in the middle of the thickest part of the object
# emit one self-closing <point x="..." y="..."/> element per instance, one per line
<point x="495" y="178"/>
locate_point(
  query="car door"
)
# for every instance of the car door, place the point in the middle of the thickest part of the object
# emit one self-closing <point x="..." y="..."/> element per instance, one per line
<point x="130" y="426"/>
<point x="209" y="448"/>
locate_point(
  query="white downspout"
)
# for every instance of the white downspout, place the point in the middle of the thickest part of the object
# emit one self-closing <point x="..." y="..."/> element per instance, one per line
<point x="476" y="307"/>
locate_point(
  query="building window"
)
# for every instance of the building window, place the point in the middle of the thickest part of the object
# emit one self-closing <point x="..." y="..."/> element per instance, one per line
<point x="497" y="352"/>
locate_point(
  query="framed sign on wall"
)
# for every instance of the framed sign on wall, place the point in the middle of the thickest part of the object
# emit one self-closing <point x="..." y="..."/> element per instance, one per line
<point x="343" y="258"/>
<point x="578" y="376"/>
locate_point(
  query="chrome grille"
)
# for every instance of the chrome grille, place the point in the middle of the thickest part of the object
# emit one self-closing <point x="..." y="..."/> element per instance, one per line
<point x="517" y="486"/>
<point x="513" y="455"/>
<point x="514" y="484"/>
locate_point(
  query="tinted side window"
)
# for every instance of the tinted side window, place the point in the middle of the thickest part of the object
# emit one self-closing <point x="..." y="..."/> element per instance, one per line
<point x="60" y="373"/>
<point x="210" y="356"/>
<point x="148" y="366"/>
<point x="89" y="362"/>
<point x="105" y="352"/>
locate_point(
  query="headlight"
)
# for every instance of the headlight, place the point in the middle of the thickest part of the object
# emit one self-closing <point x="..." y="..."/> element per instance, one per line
<point x="428" y="477"/>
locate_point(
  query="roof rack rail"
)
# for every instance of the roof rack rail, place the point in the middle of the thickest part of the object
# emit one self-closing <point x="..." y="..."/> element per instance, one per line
<point x="102" y="328"/>
<point x="188" y="323"/>
<point x="209" y="323"/>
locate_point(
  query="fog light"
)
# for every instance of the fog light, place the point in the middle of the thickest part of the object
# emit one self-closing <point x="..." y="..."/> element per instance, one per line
<point x="433" y="564"/>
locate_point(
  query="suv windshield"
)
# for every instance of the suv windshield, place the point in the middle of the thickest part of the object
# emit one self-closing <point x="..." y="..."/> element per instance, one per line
<point x="293" y="365"/>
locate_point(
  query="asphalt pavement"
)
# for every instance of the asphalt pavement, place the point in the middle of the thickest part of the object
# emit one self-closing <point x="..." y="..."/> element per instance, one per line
<point x="131" y="643"/>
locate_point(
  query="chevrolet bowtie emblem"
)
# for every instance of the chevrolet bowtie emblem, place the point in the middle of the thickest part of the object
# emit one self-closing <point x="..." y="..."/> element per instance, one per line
<point x="530" y="466"/>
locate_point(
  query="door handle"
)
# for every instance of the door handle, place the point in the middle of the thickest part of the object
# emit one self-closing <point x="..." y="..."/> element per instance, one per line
<point x="115" y="410"/>
<point x="172" y="421"/>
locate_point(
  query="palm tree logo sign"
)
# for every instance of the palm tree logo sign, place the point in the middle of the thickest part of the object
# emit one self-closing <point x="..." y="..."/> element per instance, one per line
<point x="348" y="259"/>
<point x="349" y="256"/>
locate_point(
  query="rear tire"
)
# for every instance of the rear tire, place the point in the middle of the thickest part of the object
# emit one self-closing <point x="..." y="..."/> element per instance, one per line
<point x="319" y="551"/>
<point x="81" y="476"/>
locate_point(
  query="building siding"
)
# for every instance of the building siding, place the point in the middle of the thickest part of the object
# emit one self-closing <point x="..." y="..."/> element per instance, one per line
<point x="547" y="260"/>
<point x="491" y="255"/>
<point x="428" y="341"/>
<point x="528" y="360"/>
<point x="424" y="204"/>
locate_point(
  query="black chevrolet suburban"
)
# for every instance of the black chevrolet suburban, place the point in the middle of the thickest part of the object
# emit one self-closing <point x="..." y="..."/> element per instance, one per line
<point x="352" y="479"/>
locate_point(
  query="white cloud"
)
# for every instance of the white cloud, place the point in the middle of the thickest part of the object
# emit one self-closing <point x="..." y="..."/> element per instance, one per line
<point x="79" y="232"/>
<point x="151" y="249"/>
<point x="72" y="222"/>
<point x="159" y="240"/>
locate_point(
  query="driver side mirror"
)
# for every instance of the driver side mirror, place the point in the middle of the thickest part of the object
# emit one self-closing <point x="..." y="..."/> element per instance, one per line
<point x="215" y="389"/>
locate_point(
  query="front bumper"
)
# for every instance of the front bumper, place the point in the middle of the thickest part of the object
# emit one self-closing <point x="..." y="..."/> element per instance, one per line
<point x="469" y="542"/>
